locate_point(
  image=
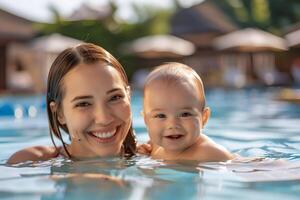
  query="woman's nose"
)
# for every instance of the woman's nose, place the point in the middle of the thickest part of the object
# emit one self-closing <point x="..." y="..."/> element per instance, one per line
<point x="103" y="115"/>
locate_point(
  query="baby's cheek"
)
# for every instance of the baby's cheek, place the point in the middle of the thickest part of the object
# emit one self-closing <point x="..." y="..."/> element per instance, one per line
<point x="155" y="132"/>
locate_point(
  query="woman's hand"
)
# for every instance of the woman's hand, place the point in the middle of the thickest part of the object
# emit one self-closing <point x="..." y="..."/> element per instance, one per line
<point x="36" y="153"/>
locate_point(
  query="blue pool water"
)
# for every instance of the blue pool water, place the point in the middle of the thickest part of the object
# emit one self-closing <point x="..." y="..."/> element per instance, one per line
<point x="248" y="122"/>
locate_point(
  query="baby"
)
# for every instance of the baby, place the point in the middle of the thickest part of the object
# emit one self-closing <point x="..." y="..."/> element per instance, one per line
<point x="175" y="114"/>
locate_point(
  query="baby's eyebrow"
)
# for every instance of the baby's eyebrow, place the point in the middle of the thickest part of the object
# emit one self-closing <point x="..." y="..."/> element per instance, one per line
<point x="187" y="108"/>
<point x="190" y="108"/>
<point x="153" y="111"/>
<point x="156" y="110"/>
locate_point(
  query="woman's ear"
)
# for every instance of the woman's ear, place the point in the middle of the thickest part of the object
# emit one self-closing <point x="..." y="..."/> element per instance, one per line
<point x="205" y="115"/>
<point x="54" y="109"/>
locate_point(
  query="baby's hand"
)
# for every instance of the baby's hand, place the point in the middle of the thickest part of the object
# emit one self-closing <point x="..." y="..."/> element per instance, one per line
<point x="145" y="149"/>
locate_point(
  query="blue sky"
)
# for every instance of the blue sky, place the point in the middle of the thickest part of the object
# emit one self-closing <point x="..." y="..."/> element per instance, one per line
<point x="38" y="10"/>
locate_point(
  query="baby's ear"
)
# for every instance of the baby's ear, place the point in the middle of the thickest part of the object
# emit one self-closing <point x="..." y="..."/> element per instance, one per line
<point x="205" y="115"/>
<point x="54" y="108"/>
<point x="144" y="116"/>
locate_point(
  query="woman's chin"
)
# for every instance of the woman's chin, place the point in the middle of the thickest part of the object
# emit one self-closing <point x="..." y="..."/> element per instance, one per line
<point x="112" y="151"/>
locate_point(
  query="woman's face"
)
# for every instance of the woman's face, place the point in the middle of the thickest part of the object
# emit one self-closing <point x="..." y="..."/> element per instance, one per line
<point x="96" y="110"/>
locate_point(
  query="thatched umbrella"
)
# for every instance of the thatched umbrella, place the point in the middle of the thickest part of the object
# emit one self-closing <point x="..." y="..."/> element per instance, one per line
<point x="47" y="48"/>
<point x="159" y="46"/>
<point x="54" y="43"/>
<point x="251" y="40"/>
<point x="293" y="39"/>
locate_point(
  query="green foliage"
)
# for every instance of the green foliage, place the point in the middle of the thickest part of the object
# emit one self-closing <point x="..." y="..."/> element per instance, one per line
<point x="110" y="33"/>
<point x="260" y="11"/>
<point x="269" y="15"/>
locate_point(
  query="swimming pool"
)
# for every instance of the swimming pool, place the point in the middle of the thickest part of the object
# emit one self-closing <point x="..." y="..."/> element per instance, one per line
<point x="248" y="122"/>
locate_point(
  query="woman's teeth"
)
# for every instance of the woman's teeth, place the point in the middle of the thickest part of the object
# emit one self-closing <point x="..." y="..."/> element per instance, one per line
<point x="104" y="135"/>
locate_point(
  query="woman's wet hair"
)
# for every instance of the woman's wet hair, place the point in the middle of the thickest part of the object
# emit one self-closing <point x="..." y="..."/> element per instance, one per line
<point x="67" y="60"/>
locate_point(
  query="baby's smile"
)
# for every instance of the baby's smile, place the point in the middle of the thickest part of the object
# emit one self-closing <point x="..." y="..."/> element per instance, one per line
<point x="174" y="137"/>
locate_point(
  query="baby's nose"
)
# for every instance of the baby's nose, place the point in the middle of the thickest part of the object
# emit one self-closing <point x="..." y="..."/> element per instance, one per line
<point x="173" y="123"/>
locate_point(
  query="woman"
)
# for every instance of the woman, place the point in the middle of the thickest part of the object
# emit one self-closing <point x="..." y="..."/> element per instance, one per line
<point x="88" y="97"/>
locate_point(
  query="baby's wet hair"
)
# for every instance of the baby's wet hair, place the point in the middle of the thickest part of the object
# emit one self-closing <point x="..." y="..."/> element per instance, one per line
<point x="174" y="73"/>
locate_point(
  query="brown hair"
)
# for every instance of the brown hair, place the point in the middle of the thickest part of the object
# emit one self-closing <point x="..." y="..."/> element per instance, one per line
<point x="173" y="72"/>
<point x="68" y="59"/>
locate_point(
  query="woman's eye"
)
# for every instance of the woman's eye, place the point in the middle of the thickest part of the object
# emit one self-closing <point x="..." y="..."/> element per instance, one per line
<point x="161" y="116"/>
<point x="185" y="114"/>
<point x="116" y="97"/>
<point x="82" y="104"/>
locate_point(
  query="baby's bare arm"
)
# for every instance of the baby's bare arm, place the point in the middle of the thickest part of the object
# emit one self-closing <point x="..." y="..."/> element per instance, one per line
<point x="146" y="148"/>
<point x="36" y="153"/>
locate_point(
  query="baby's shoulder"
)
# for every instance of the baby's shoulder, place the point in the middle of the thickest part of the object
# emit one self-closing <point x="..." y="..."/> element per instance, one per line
<point x="36" y="153"/>
<point x="211" y="151"/>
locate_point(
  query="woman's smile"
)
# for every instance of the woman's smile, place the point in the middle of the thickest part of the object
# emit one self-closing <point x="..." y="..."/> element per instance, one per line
<point x="103" y="135"/>
<point x="106" y="136"/>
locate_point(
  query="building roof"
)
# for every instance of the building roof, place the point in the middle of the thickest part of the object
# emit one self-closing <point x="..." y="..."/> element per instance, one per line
<point x="89" y="12"/>
<point x="200" y="19"/>
<point x="14" y="27"/>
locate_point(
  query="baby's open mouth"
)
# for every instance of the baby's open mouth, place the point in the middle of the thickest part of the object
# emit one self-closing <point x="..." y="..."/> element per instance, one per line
<point x="174" y="137"/>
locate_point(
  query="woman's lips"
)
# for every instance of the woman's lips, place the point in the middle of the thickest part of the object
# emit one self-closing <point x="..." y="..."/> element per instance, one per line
<point x="104" y="136"/>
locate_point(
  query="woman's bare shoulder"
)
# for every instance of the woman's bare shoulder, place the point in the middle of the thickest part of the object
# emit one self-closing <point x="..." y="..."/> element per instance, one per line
<point x="36" y="153"/>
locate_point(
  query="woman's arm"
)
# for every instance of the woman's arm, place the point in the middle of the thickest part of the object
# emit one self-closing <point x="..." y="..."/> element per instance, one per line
<point x="36" y="153"/>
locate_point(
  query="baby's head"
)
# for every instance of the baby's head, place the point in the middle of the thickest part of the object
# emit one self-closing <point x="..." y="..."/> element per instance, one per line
<point x="174" y="106"/>
<point x="174" y="73"/>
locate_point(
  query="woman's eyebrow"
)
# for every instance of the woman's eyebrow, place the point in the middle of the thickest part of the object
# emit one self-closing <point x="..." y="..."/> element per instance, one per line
<point x="113" y="90"/>
<point x="90" y="96"/>
<point x="81" y="97"/>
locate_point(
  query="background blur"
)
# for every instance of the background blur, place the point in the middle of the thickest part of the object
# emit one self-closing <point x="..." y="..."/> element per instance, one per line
<point x="230" y="43"/>
<point x="246" y="51"/>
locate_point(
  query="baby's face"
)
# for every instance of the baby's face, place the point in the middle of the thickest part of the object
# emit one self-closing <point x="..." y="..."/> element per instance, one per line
<point x="173" y="114"/>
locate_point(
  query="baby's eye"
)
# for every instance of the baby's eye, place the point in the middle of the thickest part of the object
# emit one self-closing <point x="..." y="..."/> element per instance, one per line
<point x="82" y="104"/>
<point x="186" y="114"/>
<point x="160" y="115"/>
<point x="116" y="97"/>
